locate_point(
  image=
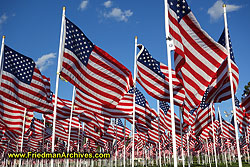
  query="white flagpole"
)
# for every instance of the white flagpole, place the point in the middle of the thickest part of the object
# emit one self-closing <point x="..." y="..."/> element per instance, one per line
<point x="221" y="138"/>
<point x="215" y="156"/>
<point x="188" y="147"/>
<point x="124" y="156"/>
<point x="62" y="36"/>
<point x="133" y="125"/>
<point x="44" y="126"/>
<point x="158" y="108"/>
<point x="1" y="57"/>
<point x="208" y="153"/>
<point x="182" y="154"/>
<point x="116" y="143"/>
<point x="78" y="142"/>
<point x="23" y="129"/>
<point x="169" y="48"/>
<point x="70" y="121"/>
<point x="231" y="84"/>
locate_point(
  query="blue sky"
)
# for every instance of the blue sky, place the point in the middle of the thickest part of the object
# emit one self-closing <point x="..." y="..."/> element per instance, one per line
<point x="33" y="28"/>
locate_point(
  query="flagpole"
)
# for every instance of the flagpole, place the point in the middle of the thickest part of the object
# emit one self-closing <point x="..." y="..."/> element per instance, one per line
<point x="116" y="144"/>
<point x="231" y="84"/>
<point x="169" y="48"/>
<point x="222" y="133"/>
<point x="158" y="108"/>
<point x="208" y="153"/>
<point x="78" y="142"/>
<point x="133" y="126"/>
<point x="182" y="154"/>
<point x="1" y="57"/>
<point x="124" y="156"/>
<point x="188" y="147"/>
<point x="44" y="126"/>
<point x="215" y="156"/>
<point x="23" y="129"/>
<point x="62" y="36"/>
<point x="70" y="121"/>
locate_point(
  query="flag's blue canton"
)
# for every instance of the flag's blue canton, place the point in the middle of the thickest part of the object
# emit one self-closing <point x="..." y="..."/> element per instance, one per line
<point x="232" y="120"/>
<point x="192" y="111"/>
<point x="237" y="102"/>
<point x="223" y="43"/>
<point x="146" y="59"/>
<point x="119" y="122"/>
<point x="139" y="98"/>
<point x="77" y="42"/>
<point x="204" y="105"/>
<point x="32" y="123"/>
<point x="180" y="7"/>
<point x="131" y="90"/>
<point x="164" y="106"/>
<point x="20" y="66"/>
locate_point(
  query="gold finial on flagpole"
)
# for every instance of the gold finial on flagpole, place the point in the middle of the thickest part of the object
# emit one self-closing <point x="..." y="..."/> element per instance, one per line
<point x="64" y="8"/>
<point x="3" y="36"/>
<point x="135" y="37"/>
<point x="224" y="5"/>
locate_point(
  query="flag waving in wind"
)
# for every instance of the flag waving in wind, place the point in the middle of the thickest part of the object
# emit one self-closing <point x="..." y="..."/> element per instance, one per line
<point x="198" y="56"/>
<point x="22" y="82"/>
<point x="154" y="78"/>
<point x="220" y="89"/>
<point x="92" y="70"/>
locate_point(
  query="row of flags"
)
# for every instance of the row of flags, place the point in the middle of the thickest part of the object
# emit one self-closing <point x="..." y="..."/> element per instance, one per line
<point x="105" y="89"/>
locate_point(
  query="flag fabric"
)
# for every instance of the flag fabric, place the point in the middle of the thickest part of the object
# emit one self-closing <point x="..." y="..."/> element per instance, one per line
<point x="228" y="129"/>
<point x="22" y="82"/>
<point x="120" y="129"/>
<point x="12" y="116"/>
<point x="220" y="89"/>
<point x="165" y="118"/>
<point x="144" y="114"/>
<point x="124" y="109"/>
<point x="153" y="76"/>
<point x="63" y="110"/>
<point x="198" y="56"/>
<point x="242" y="119"/>
<point x="204" y="117"/>
<point x="92" y="70"/>
<point x="246" y="105"/>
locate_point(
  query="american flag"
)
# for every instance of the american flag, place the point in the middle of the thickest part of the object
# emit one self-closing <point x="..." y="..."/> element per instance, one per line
<point x="63" y="110"/>
<point x="110" y="134"/>
<point x="220" y="89"/>
<point x="12" y="116"/>
<point x="228" y="129"/>
<point x="246" y="105"/>
<point x="165" y="118"/>
<point x="203" y="118"/>
<point x="23" y="83"/>
<point x="143" y="112"/>
<point x="242" y="119"/>
<point x="92" y="70"/>
<point x="91" y="132"/>
<point x="198" y="56"/>
<point x="120" y="129"/>
<point x="124" y="109"/>
<point x="153" y="132"/>
<point x="153" y="76"/>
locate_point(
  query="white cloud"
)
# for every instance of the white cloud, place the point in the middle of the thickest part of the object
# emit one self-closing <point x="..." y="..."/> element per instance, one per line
<point x="108" y="4"/>
<point x="118" y="14"/>
<point x="216" y="11"/>
<point x="45" y="61"/>
<point x="83" y="4"/>
<point x="3" y="19"/>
